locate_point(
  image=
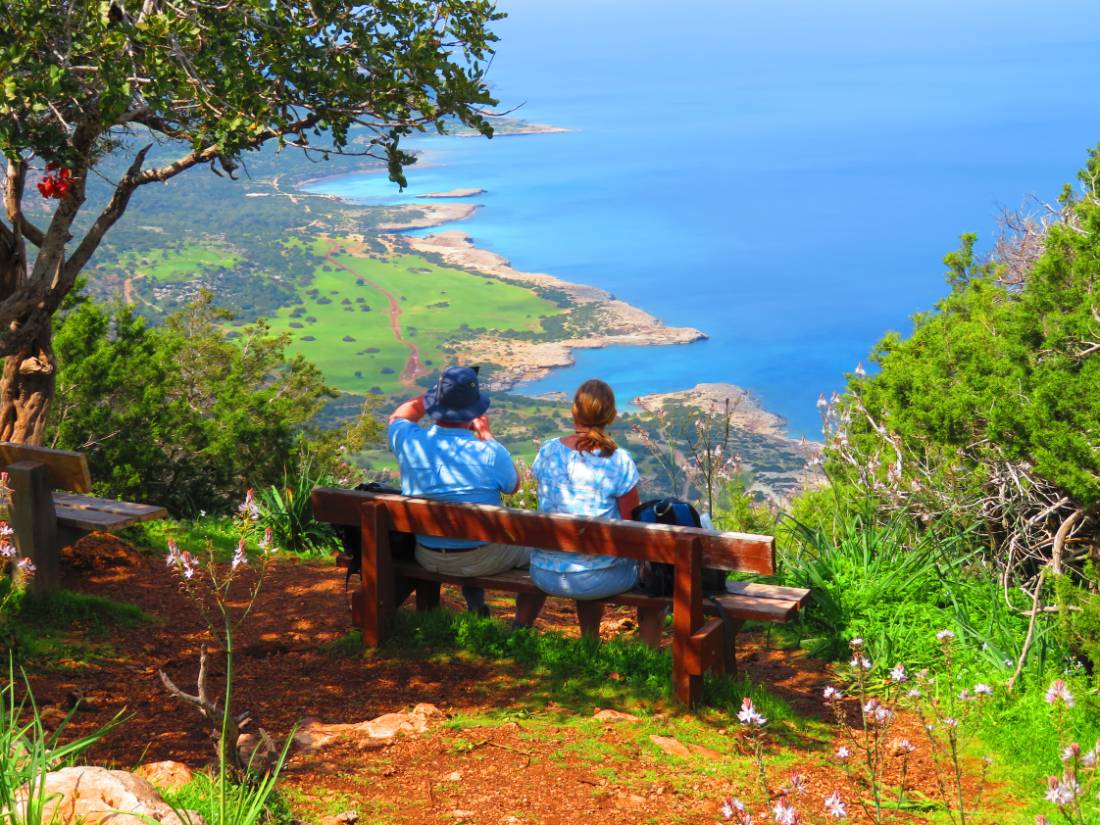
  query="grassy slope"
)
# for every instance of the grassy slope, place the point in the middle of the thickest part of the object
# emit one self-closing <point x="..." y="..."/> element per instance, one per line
<point x="435" y="301"/>
<point x="176" y="265"/>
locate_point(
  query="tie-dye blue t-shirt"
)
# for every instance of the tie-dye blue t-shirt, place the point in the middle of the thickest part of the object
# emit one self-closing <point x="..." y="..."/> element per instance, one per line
<point x="581" y="484"/>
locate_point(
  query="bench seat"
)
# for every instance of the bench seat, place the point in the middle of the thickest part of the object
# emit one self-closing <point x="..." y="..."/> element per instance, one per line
<point x="88" y="513"/>
<point x="747" y="601"/>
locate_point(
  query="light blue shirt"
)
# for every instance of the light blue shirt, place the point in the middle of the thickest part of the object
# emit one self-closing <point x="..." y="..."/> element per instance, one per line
<point x="451" y="465"/>
<point x="581" y="484"/>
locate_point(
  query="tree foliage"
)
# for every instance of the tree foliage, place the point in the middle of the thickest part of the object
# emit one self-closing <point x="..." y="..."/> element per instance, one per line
<point x="205" y="83"/>
<point x="183" y="416"/>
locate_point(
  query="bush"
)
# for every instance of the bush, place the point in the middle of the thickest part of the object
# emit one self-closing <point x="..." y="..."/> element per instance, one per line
<point x="179" y="415"/>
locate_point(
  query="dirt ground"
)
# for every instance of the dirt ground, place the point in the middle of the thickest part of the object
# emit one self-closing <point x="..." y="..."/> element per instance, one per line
<point x="547" y="765"/>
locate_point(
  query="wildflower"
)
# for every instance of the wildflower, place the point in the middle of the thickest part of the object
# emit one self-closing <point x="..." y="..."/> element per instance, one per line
<point x="898" y="674"/>
<point x="1058" y="692"/>
<point x="1062" y="793"/>
<point x="821" y="402"/>
<point x="174" y="556"/>
<point x="732" y="808"/>
<point x="1090" y="758"/>
<point x="869" y="706"/>
<point x="951" y="722"/>
<point x="856" y="643"/>
<point x="7" y="549"/>
<point x="966" y="695"/>
<point x="860" y="371"/>
<point x="5" y="530"/>
<point x="797" y="783"/>
<point x="26" y="567"/>
<point x="945" y="636"/>
<point x="249" y="508"/>
<point x="860" y="661"/>
<point x="834" y="805"/>
<point x="1071" y="752"/>
<point x="882" y="714"/>
<point x="749" y="715"/>
<point x="239" y="557"/>
<point x="785" y="814"/>
<point x="902" y="747"/>
<point x="842" y="753"/>
<point x="188" y="565"/>
<point x="831" y="694"/>
<point x="982" y="689"/>
<point x="267" y="543"/>
<point x="914" y="693"/>
<point x="1041" y="820"/>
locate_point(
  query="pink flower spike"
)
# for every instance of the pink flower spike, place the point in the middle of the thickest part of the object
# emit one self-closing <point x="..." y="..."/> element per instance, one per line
<point x="5" y="530"/>
<point x="898" y="674"/>
<point x="834" y="805"/>
<point x="831" y="694"/>
<point x="26" y="567"/>
<point x="1071" y="752"/>
<point x="945" y="636"/>
<point x="240" y="557"/>
<point x="797" y="783"/>
<point x="7" y="549"/>
<point x="982" y="689"/>
<point x="1058" y="692"/>
<point x="842" y="753"/>
<point x="749" y="715"/>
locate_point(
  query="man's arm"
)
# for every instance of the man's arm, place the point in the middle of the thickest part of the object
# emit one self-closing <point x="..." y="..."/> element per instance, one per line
<point x="412" y="410"/>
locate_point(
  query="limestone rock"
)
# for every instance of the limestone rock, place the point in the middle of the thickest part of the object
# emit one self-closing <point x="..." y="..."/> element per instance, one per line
<point x="674" y="747"/>
<point x="313" y="735"/>
<point x="96" y="796"/>
<point x="167" y="775"/>
<point x="609" y="715"/>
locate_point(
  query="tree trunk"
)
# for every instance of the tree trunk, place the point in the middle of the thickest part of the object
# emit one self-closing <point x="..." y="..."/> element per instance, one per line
<point x="26" y="390"/>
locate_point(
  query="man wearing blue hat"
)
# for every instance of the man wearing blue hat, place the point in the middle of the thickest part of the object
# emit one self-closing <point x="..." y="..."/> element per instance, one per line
<point x="457" y="459"/>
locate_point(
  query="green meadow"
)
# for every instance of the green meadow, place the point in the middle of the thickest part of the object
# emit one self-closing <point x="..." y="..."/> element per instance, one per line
<point x="182" y="263"/>
<point x="343" y="323"/>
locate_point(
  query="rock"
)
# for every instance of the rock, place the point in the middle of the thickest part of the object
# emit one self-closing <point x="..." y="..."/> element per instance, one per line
<point x="313" y="735"/>
<point x="671" y="746"/>
<point x="52" y="717"/>
<point x="674" y="747"/>
<point x="256" y="751"/>
<point x="95" y="796"/>
<point x="609" y="715"/>
<point x="454" y="776"/>
<point x="346" y="818"/>
<point x="458" y="813"/>
<point x="167" y="775"/>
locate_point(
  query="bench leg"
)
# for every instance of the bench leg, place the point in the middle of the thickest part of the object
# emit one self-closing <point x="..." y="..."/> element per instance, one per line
<point x="35" y="523"/>
<point x="427" y="595"/>
<point x="376" y="577"/>
<point x="732" y="628"/>
<point x="651" y="621"/>
<point x="687" y="618"/>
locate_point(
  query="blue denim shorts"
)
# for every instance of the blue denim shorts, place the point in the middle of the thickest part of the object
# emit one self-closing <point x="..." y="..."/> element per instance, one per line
<point x="588" y="584"/>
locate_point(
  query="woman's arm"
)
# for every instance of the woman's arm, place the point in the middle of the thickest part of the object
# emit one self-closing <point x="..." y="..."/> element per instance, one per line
<point x="627" y="503"/>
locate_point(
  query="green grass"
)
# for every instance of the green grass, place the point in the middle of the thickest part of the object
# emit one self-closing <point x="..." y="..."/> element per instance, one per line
<point x="69" y="630"/>
<point x="434" y="300"/>
<point x="218" y="532"/>
<point x="174" y="266"/>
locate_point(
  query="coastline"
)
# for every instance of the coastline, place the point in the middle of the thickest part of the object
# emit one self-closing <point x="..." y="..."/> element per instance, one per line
<point x="520" y="361"/>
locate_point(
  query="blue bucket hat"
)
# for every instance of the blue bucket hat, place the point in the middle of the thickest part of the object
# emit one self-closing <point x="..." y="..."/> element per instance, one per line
<point x="456" y="397"/>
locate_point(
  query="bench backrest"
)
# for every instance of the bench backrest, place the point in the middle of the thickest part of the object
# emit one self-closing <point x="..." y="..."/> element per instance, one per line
<point x="742" y="552"/>
<point x="66" y="470"/>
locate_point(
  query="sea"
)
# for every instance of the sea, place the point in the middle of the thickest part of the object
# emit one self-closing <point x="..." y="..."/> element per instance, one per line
<point x="784" y="175"/>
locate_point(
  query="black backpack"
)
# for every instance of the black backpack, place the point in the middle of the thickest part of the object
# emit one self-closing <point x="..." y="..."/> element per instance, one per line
<point x="402" y="545"/>
<point x="657" y="578"/>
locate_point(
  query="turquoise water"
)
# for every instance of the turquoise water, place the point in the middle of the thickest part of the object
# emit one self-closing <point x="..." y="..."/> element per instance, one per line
<point x="785" y="176"/>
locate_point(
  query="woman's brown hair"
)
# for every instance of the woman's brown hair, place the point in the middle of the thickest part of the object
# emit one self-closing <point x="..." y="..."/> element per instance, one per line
<point x="593" y="412"/>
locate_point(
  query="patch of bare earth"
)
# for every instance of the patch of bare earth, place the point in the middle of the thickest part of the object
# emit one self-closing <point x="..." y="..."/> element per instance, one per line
<point x="549" y="771"/>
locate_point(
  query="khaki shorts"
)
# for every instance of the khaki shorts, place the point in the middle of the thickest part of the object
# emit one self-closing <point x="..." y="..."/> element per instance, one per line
<point x="481" y="561"/>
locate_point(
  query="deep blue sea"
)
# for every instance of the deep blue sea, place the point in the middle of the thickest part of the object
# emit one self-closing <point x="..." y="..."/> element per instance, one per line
<point x="785" y="176"/>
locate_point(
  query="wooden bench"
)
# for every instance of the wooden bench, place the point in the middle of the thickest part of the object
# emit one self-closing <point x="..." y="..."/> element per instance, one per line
<point x="697" y="642"/>
<point x="51" y="508"/>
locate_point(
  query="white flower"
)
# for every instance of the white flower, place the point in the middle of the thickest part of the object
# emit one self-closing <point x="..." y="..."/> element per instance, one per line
<point x="784" y="814"/>
<point x="914" y="693"/>
<point x="1090" y="758"/>
<point x="240" y="557"/>
<point x="882" y="714"/>
<point x="842" y="753"/>
<point x="831" y="694"/>
<point x="834" y="805"/>
<point x="173" y="557"/>
<point x="749" y="715"/>
<point x="856" y="643"/>
<point x="249" y="508"/>
<point x="860" y="661"/>
<point x="945" y="636"/>
<point x="797" y="783"/>
<point x="982" y="689"/>
<point x="904" y="746"/>
<point x="26" y="567"/>
<point x="951" y="722"/>
<point x="5" y="530"/>
<point x="732" y="807"/>
<point x="1058" y="692"/>
<point x="267" y="543"/>
<point x="1071" y="752"/>
<point x="966" y="695"/>
<point x="898" y="674"/>
<point x="1062" y="793"/>
<point x="7" y="549"/>
<point x="821" y="402"/>
<point x="860" y="371"/>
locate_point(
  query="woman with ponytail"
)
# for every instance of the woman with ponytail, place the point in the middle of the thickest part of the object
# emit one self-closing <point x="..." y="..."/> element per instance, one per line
<point x="587" y="474"/>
